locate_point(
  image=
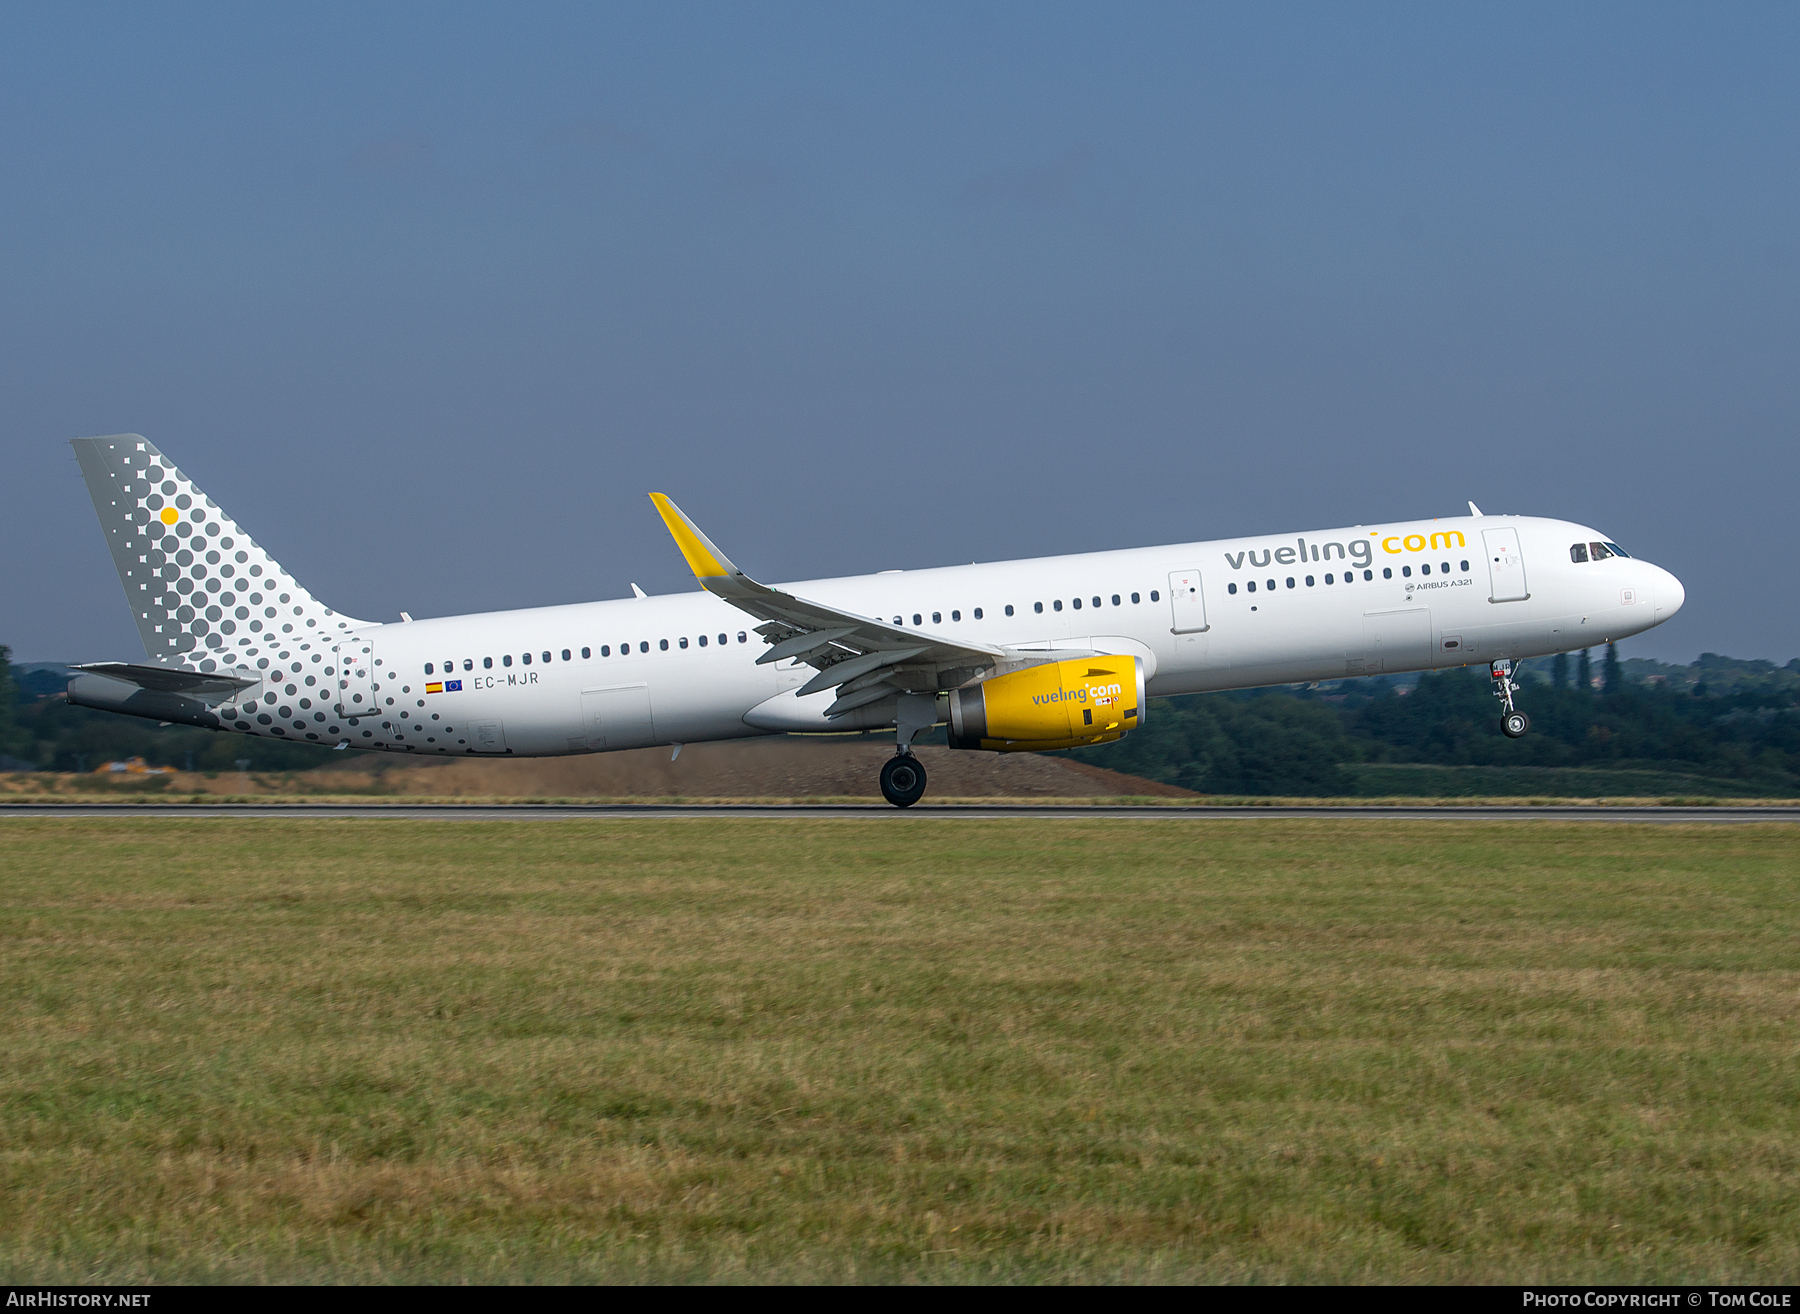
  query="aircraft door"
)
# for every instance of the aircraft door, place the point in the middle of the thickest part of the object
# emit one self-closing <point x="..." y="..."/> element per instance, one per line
<point x="356" y="678"/>
<point x="1506" y="566"/>
<point x="1187" y="602"/>
<point x="618" y="717"/>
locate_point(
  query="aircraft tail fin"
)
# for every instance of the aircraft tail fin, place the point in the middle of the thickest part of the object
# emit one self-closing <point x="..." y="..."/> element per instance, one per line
<point x="203" y="594"/>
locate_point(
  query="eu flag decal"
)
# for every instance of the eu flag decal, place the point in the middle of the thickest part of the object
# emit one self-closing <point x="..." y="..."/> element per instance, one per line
<point x="452" y="686"/>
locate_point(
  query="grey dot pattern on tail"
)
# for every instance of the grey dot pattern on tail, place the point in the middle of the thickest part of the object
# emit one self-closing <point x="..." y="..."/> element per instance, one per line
<point x="221" y="594"/>
<point x="206" y="597"/>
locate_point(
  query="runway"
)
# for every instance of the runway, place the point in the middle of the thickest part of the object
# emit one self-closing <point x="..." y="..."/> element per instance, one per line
<point x="879" y="811"/>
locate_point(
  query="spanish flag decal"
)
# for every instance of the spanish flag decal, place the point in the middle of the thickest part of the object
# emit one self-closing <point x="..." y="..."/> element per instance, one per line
<point x="434" y="688"/>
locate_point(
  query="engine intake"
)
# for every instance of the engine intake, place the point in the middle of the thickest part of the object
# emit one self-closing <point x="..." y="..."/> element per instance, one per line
<point x="1089" y="700"/>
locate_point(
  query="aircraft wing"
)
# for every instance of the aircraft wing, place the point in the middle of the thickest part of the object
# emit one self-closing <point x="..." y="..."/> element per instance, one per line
<point x="171" y="679"/>
<point x="864" y="658"/>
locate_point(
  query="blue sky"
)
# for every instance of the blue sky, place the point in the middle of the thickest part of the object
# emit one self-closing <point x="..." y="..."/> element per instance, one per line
<point x="430" y="297"/>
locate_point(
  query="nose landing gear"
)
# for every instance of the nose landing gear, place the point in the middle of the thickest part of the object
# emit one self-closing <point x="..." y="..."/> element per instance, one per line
<point x="1513" y="722"/>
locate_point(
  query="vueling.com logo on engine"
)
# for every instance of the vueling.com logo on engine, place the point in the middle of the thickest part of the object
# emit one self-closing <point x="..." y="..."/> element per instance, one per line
<point x="1100" y="695"/>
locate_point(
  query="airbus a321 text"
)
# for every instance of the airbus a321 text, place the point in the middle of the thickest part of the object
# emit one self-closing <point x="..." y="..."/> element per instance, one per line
<point x="1049" y="653"/>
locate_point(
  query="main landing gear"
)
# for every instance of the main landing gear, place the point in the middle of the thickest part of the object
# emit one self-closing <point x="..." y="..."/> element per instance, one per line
<point x="903" y="777"/>
<point x="1513" y="722"/>
<point x="902" y="780"/>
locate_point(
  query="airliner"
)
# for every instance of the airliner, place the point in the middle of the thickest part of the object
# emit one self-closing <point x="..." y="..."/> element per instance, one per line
<point x="1012" y="656"/>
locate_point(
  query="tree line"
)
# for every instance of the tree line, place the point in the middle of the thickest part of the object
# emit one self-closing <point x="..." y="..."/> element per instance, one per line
<point x="1722" y="725"/>
<point x="1719" y="725"/>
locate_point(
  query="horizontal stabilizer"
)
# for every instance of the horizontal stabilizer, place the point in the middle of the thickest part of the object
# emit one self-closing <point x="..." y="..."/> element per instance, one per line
<point x="170" y="679"/>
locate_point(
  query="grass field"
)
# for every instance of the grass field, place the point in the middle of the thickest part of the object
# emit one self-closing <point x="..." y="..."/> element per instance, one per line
<point x="937" y="1051"/>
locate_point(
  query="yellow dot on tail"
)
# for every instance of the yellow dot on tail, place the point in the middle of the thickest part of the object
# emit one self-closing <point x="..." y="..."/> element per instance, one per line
<point x="170" y="515"/>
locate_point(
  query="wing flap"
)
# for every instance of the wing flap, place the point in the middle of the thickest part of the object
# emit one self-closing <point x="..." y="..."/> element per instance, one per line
<point x="855" y="667"/>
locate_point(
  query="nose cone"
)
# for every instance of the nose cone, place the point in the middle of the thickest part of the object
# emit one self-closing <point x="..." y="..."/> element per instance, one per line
<point x="1669" y="594"/>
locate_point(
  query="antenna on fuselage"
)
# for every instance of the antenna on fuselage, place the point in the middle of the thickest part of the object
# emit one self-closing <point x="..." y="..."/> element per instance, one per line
<point x="1474" y="510"/>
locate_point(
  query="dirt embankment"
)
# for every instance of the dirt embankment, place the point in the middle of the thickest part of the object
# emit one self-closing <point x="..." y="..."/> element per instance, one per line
<point x="755" y="768"/>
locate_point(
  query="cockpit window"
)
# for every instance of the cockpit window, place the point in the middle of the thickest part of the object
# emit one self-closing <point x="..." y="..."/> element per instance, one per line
<point x="1618" y="551"/>
<point x="1598" y="551"/>
<point x="1578" y="552"/>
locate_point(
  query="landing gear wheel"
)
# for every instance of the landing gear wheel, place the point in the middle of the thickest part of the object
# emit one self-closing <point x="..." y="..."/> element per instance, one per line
<point x="903" y="781"/>
<point x="1513" y="722"/>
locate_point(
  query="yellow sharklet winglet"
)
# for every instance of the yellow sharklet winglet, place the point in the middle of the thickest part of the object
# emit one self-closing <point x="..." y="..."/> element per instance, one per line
<point x="705" y="560"/>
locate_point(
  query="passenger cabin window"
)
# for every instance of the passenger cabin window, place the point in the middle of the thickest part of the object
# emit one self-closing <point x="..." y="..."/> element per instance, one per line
<point x="918" y="619"/>
<point x="643" y="645"/>
<point x="663" y="644"/>
<point x="526" y="658"/>
<point x="1290" y="581"/>
<point x="547" y="657"/>
<point x="1076" y="604"/>
<point x="1038" y="607"/>
<point x="1134" y="597"/>
<point x="1465" y="566"/>
<point x="937" y="618"/>
<point x="1443" y="567"/>
<point x="741" y="638"/>
<point x="1009" y="609"/>
<point x="566" y="654"/>
<point x="586" y="653"/>
<point x="682" y="642"/>
<point x="1328" y="578"/>
<point x="1406" y="571"/>
<point x="487" y="663"/>
<point x="1097" y="601"/>
<point x="1231" y="588"/>
<point x="1309" y="581"/>
<point x="468" y="664"/>
<point x="1387" y="572"/>
<point x="606" y="650"/>
<point x="1057" y="605"/>
<point x="1155" y="596"/>
<point x="724" y="639"/>
<point x="702" y="640"/>
<point x="1251" y="586"/>
<point x="978" y="613"/>
<point x="1115" y="600"/>
<point x="428" y="668"/>
<point x="1425" y="569"/>
<point x="506" y="660"/>
<point x="956" y="615"/>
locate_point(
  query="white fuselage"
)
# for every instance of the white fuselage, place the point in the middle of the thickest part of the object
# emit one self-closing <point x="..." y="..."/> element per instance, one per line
<point x="682" y="668"/>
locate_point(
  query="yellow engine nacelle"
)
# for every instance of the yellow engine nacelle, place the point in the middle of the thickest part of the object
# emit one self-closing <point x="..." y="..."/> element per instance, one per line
<point x="1091" y="700"/>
